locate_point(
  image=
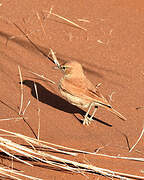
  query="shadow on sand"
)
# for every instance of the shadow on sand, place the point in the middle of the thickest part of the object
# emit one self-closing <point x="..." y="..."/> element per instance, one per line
<point x="51" y="99"/>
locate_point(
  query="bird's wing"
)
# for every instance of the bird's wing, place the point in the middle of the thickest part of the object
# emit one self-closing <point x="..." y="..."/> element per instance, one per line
<point x="83" y="88"/>
<point x="86" y="90"/>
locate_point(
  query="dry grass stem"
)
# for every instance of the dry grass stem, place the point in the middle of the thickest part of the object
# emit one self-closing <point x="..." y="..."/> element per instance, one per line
<point x="11" y="155"/>
<point x="38" y="142"/>
<point x="38" y="109"/>
<point x="27" y="37"/>
<point x="11" y="173"/>
<point x="100" y="41"/>
<point x="19" y="36"/>
<point x="98" y="85"/>
<point x="67" y="20"/>
<point x="141" y="107"/>
<point x="41" y="156"/>
<point x="137" y="140"/>
<point x="38" y="16"/>
<point x="119" y="157"/>
<point x="26" y="107"/>
<point x="110" y="32"/>
<point x="54" y="58"/>
<point x="110" y="96"/>
<point x="48" y="12"/>
<point x="83" y="20"/>
<point x="15" y="118"/>
<point x="22" y="96"/>
<point x="67" y="148"/>
<point x="43" y="77"/>
<point x="21" y="81"/>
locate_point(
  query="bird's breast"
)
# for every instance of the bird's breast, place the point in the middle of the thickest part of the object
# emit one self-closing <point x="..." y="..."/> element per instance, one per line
<point x="74" y="100"/>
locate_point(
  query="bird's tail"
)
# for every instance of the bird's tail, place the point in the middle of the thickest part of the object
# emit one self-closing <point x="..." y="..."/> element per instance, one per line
<point x="109" y="108"/>
<point x="116" y="113"/>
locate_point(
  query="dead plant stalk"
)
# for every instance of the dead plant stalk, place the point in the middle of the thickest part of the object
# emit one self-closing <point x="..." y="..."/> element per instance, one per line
<point x="137" y="140"/>
<point x="22" y="94"/>
<point x="38" y="109"/>
<point x="67" y="20"/>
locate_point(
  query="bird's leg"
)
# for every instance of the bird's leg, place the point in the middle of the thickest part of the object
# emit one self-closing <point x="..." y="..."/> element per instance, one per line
<point x="95" y="109"/>
<point x="86" y="118"/>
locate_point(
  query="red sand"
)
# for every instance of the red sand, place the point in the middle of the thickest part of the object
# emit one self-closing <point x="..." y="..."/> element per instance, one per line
<point x="111" y="52"/>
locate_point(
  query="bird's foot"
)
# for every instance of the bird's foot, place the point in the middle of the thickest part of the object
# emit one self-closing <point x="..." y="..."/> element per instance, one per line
<point x="87" y="121"/>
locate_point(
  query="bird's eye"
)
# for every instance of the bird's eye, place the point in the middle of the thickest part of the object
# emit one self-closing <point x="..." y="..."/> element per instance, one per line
<point x="63" y="67"/>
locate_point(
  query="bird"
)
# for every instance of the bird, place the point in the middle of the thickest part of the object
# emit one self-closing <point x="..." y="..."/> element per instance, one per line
<point x="79" y="91"/>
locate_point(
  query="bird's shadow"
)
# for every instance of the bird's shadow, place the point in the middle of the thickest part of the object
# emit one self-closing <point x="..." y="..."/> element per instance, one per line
<point x="47" y="97"/>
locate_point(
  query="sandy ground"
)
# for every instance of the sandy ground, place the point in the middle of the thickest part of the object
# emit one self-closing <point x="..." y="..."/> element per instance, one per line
<point x="111" y="52"/>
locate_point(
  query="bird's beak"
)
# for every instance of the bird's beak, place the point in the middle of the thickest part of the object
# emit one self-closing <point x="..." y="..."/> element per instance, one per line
<point x="56" y="68"/>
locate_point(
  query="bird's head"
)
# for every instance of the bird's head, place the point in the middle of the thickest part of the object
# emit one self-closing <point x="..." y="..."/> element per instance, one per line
<point x="72" y="69"/>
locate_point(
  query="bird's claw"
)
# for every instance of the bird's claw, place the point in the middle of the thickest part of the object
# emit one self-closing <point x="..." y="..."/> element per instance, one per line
<point x="87" y="121"/>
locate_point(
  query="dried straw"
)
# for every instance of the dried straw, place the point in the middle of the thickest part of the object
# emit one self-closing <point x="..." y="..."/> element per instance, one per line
<point x="43" y="77"/>
<point x="21" y="82"/>
<point x="38" y="110"/>
<point x="137" y="140"/>
<point x="14" y="118"/>
<point x="26" y="107"/>
<point x="38" y="16"/>
<point x="54" y="58"/>
<point x="67" y="20"/>
<point x="39" y="155"/>
<point x="11" y="174"/>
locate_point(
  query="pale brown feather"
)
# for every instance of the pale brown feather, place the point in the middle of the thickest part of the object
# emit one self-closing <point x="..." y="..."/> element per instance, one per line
<point x="78" y="90"/>
<point x="83" y="88"/>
